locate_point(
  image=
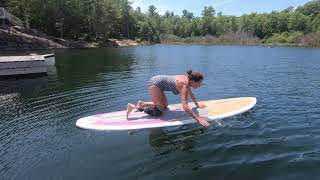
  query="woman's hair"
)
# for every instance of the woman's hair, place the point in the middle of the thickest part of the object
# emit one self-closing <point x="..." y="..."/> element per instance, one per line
<point x="194" y="76"/>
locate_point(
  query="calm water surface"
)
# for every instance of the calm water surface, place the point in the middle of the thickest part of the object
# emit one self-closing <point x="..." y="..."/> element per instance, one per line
<point x="278" y="139"/>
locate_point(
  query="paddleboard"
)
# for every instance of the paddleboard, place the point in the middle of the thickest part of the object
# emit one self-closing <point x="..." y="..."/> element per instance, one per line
<point x="175" y="116"/>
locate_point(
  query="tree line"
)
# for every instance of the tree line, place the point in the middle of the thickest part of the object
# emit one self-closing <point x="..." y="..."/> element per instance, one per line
<point x="99" y="20"/>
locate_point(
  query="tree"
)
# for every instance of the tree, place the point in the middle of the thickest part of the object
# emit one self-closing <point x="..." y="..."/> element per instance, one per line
<point x="3" y="3"/>
<point x="187" y="14"/>
<point x="208" y="11"/>
<point x="298" y="22"/>
<point x="311" y="9"/>
<point x="233" y="24"/>
<point x="125" y="8"/>
<point x="278" y="22"/>
<point x="152" y="10"/>
<point x="167" y="14"/>
<point x="288" y="10"/>
<point x="262" y="26"/>
<point x="246" y="23"/>
<point x="22" y="9"/>
<point x="316" y="24"/>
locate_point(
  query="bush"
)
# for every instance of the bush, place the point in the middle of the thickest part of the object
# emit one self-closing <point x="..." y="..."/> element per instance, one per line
<point x="228" y="38"/>
<point x="312" y="39"/>
<point x="170" y="38"/>
<point x="285" y="38"/>
<point x="239" y="38"/>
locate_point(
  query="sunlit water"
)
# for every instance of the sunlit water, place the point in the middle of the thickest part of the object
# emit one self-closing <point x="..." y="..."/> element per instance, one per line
<point x="278" y="139"/>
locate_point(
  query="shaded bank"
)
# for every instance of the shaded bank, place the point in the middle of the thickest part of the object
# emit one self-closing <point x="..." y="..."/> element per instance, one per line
<point x="228" y="38"/>
<point x="243" y="38"/>
<point x="20" y="38"/>
<point x="294" y="39"/>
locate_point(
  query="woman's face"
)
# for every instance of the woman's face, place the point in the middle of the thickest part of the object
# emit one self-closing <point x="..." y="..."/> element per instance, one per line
<point x="194" y="84"/>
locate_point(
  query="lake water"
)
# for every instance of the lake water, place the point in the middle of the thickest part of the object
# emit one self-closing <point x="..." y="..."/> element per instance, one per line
<point x="278" y="139"/>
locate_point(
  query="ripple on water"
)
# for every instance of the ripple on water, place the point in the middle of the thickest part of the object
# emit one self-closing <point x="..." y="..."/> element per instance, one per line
<point x="278" y="139"/>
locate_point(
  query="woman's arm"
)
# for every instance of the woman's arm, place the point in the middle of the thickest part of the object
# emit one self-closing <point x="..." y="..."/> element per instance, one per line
<point x="184" y="101"/>
<point x="194" y="99"/>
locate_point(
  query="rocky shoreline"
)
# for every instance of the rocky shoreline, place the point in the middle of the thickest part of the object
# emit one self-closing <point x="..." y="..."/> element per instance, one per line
<point x="19" y="38"/>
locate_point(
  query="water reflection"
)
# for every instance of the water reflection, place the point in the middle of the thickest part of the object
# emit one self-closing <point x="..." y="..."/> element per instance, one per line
<point x="23" y="86"/>
<point x="168" y="140"/>
<point x="78" y="67"/>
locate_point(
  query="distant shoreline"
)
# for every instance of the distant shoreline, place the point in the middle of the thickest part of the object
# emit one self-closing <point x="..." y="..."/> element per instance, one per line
<point x="239" y="44"/>
<point x="171" y="43"/>
<point x="22" y="39"/>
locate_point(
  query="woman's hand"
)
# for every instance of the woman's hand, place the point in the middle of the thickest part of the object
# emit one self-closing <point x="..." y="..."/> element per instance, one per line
<point x="202" y="106"/>
<point x="202" y="122"/>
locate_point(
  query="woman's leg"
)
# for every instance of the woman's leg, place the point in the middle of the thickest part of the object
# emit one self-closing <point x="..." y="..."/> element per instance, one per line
<point x="130" y="107"/>
<point x="142" y="104"/>
<point x="165" y="101"/>
<point x="158" y="97"/>
<point x="159" y="100"/>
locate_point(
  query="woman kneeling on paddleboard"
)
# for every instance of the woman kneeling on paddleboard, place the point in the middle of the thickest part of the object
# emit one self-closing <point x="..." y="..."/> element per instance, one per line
<point x="178" y="84"/>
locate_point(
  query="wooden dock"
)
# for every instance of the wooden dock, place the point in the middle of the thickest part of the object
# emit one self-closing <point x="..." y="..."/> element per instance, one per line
<point x="23" y="65"/>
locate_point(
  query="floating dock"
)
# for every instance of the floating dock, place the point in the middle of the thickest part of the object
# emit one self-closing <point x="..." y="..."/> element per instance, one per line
<point x="23" y="65"/>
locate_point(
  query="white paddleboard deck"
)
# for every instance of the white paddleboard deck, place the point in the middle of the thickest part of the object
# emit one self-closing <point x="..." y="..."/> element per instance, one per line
<point x="175" y="116"/>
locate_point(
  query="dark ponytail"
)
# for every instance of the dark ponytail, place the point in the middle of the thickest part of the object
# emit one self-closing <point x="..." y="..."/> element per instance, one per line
<point x="194" y="76"/>
<point x="189" y="72"/>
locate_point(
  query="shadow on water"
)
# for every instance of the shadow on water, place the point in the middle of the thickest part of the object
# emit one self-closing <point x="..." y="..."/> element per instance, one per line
<point x="183" y="138"/>
<point x="78" y="67"/>
<point x="168" y="140"/>
<point x="24" y="86"/>
<point x="28" y="84"/>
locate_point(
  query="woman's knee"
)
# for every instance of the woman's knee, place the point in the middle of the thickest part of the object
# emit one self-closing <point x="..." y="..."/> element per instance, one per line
<point x="152" y="111"/>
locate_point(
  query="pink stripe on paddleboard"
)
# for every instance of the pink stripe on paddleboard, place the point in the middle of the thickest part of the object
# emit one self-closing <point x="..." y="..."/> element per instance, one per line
<point x="122" y="113"/>
<point x="114" y="114"/>
<point x="103" y="123"/>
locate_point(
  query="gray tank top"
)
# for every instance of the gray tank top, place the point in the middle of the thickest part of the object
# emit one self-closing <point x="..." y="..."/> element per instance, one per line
<point x="164" y="83"/>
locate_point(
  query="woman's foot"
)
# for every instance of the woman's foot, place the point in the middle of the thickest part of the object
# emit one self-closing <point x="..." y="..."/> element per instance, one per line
<point x="130" y="107"/>
<point x="140" y="104"/>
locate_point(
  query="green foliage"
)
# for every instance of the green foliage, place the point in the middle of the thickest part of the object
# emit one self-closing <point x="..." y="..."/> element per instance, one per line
<point x="208" y="11"/>
<point x="186" y="14"/>
<point x="310" y="9"/>
<point x="316" y="24"/>
<point x="285" y="38"/>
<point x="152" y="10"/>
<point x="298" y="22"/>
<point x="99" y="20"/>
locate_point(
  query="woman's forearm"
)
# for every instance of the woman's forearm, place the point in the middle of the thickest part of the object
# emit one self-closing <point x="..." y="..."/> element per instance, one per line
<point x="193" y="99"/>
<point x="190" y="112"/>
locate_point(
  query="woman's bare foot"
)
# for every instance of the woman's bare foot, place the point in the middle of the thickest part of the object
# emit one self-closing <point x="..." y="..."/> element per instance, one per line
<point x="130" y="107"/>
<point x="140" y="104"/>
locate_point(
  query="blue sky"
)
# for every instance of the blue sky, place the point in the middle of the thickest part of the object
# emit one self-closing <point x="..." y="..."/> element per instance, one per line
<point x="228" y="7"/>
